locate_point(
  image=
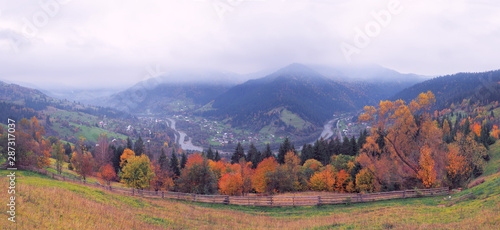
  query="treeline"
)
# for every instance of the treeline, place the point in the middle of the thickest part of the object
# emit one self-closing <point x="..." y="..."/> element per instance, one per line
<point x="9" y="110"/>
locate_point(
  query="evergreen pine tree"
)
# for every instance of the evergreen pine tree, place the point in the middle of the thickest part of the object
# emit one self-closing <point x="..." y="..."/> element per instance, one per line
<point x="284" y="148"/>
<point x="239" y="153"/>
<point x="267" y="153"/>
<point x="354" y="146"/>
<point x="307" y="153"/>
<point x="174" y="164"/>
<point x="210" y="153"/>
<point x="346" y="146"/>
<point x="139" y="147"/>
<point x="129" y="143"/>
<point x="217" y="156"/>
<point x="183" y="160"/>
<point x="163" y="160"/>
<point x="253" y="156"/>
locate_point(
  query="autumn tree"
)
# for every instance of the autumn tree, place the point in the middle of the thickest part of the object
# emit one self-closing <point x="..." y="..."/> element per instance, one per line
<point x="231" y="184"/>
<point x="161" y="181"/>
<point x="365" y="181"/>
<point x="261" y="178"/>
<point x="246" y="173"/>
<point x="404" y="130"/>
<point x="310" y="167"/>
<point x="342" y="180"/>
<point x="127" y="154"/>
<point x="465" y="159"/>
<point x="58" y="153"/>
<point x="137" y="173"/>
<point x="323" y="180"/>
<point x="102" y="152"/>
<point x="83" y="163"/>
<point x="196" y="177"/>
<point x="427" y="172"/>
<point x="43" y="158"/>
<point x="107" y="173"/>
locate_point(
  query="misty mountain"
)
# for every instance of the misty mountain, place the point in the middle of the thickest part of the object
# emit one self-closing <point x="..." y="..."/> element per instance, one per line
<point x="379" y="81"/>
<point x="482" y="87"/>
<point x="296" y="88"/>
<point x="166" y="93"/>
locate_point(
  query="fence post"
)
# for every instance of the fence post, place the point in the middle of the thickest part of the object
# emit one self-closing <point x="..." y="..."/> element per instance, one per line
<point x="360" y="197"/>
<point x="162" y="195"/>
<point x="404" y="194"/>
<point x="319" y="200"/>
<point x="132" y="191"/>
<point x="226" y="200"/>
<point x="293" y="201"/>
<point x="271" y="200"/>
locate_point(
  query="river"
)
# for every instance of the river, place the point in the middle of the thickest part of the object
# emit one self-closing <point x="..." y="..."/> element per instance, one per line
<point x="188" y="145"/>
<point x="185" y="145"/>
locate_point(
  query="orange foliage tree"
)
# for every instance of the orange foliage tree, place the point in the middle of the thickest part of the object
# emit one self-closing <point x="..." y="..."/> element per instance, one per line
<point x="342" y="180"/>
<point x="427" y="172"/>
<point x="400" y="131"/>
<point x="107" y="174"/>
<point x="231" y="184"/>
<point x="127" y="153"/>
<point x="261" y="177"/>
<point x="476" y="128"/>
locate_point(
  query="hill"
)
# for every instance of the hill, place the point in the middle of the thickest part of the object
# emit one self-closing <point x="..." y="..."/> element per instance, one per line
<point x="62" y="118"/>
<point x="477" y="87"/>
<point x="296" y="88"/>
<point x="171" y="93"/>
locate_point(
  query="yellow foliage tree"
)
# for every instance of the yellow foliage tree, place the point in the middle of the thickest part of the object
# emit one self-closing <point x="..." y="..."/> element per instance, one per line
<point x="127" y="154"/>
<point x="324" y="180"/>
<point x="427" y="172"/>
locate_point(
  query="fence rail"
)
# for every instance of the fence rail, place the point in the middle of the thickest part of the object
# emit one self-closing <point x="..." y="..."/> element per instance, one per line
<point x="271" y="201"/>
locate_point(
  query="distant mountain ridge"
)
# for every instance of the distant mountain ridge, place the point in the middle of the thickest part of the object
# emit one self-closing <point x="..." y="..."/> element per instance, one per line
<point x="455" y="88"/>
<point x="297" y="88"/>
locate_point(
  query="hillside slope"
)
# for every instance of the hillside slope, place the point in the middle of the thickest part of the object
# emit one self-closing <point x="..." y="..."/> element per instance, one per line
<point x="455" y="88"/>
<point x="296" y="88"/>
<point x="44" y="203"/>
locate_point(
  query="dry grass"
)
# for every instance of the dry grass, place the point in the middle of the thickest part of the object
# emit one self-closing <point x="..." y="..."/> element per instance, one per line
<point x="44" y="203"/>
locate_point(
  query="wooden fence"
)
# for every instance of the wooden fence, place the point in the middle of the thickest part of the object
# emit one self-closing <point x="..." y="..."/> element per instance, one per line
<point x="270" y="201"/>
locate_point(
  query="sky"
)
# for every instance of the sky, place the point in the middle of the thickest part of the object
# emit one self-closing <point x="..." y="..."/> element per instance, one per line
<point x="116" y="43"/>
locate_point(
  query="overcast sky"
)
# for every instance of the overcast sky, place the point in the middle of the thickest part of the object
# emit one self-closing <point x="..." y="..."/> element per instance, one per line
<point x="86" y="43"/>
